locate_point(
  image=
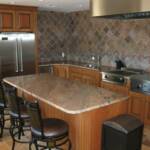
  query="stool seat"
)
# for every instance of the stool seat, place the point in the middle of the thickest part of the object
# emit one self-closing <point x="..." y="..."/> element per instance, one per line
<point x="52" y="131"/>
<point x="52" y="128"/>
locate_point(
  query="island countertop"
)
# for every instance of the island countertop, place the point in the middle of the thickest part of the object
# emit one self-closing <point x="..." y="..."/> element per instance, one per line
<point x="71" y="97"/>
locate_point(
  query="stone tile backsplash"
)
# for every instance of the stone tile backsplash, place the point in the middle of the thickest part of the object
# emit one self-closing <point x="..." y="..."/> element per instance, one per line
<point x="80" y="36"/>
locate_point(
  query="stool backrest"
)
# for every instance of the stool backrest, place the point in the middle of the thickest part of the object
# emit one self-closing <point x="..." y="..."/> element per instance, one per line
<point x="35" y="116"/>
<point x="2" y="98"/>
<point x="10" y="94"/>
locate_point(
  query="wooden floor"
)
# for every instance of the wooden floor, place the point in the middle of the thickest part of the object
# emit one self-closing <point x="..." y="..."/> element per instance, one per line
<point x="6" y="141"/>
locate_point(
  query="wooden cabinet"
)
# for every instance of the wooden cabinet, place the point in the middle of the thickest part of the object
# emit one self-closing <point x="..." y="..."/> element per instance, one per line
<point x="60" y="70"/>
<point x="147" y="111"/>
<point x="24" y="21"/>
<point x="115" y="88"/>
<point x="7" y="20"/>
<point x="17" y="18"/>
<point x="88" y="76"/>
<point x="137" y="105"/>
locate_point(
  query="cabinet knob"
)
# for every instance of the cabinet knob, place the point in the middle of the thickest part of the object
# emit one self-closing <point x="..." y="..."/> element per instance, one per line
<point x="121" y="79"/>
<point x="106" y="76"/>
<point x="139" y="86"/>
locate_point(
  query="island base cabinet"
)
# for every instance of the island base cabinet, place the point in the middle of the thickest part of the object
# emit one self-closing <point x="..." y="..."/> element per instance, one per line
<point x="85" y="129"/>
<point x="147" y="112"/>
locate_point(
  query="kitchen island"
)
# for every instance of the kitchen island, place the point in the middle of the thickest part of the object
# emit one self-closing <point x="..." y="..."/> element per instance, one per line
<point x="84" y="107"/>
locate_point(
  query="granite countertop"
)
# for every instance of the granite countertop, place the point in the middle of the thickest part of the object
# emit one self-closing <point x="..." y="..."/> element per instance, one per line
<point x="69" y="96"/>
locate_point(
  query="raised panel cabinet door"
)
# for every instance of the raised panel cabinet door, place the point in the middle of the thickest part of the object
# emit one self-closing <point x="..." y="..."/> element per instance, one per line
<point x="60" y="71"/>
<point x="75" y="76"/>
<point x="137" y="105"/>
<point x="147" y="111"/>
<point x="115" y="88"/>
<point x="7" y="20"/>
<point x="75" y="73"/>
<point x="24" y="21"/>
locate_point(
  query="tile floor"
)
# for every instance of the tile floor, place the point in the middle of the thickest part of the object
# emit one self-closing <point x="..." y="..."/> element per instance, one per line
<point x="6" y="142"/>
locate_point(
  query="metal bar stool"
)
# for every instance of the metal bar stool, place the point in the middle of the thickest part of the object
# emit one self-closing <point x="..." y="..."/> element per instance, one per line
<point x="53" y="132"/>
<point x="4" y="114"/>
<point x="20" y="120"/>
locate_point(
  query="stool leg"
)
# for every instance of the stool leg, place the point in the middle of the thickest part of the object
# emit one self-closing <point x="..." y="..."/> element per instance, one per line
<point x="2" y="122"/>
<point x="13" y="146"/>
<point x="30" y="144"/>
<point x="36" y="145"/>
<point x="70" y="145"/>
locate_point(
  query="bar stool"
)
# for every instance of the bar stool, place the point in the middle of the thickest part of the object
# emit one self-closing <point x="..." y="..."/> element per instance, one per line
<point x="20" y="120"/>
<point x="54" y="132"/>
<point x="4" y="115"/>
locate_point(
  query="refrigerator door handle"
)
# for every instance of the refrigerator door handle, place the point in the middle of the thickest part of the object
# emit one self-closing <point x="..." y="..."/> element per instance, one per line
<point x="17" y="65"/>
<point x="21" y="55"/>
<point x="1" y="21"/>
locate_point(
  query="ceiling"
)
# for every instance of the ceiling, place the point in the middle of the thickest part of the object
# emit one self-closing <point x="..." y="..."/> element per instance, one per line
<point x="52" y="5"/>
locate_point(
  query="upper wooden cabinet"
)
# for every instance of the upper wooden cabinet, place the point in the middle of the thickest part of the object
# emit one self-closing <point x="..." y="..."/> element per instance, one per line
<point x="24" y="21"/>
<point x="7" y="20"/>
<point x="17" y="18"/>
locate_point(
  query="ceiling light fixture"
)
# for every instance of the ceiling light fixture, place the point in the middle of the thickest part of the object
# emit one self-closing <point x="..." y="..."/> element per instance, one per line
<point x="52" y="6"/>
<point x="12" y="2"/>
<point x="80" y="5"/>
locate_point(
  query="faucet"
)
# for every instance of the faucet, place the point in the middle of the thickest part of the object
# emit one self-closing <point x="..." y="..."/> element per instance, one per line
<point x="120" y="64"/>
<point x="99" y="61"/>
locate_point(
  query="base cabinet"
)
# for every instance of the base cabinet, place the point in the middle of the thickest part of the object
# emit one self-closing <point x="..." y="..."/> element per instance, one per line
<point x="139" y="106"/>
<point x="147" y="111"/>
<point x="60" y="71"/>
<point x="115" y="88"/>
<point x="88" y="76"/>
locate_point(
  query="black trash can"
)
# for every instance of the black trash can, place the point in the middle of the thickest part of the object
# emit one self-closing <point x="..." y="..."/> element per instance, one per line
<point x="123" y="132"/>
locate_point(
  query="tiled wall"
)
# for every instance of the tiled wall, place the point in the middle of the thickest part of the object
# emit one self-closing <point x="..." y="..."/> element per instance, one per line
<point x="81" y="37"/>
<point x="53" y="29"/>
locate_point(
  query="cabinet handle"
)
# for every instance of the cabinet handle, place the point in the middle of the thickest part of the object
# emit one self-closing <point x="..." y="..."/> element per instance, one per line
<point x="17" y="56"/>
<point x="21" y="55"/>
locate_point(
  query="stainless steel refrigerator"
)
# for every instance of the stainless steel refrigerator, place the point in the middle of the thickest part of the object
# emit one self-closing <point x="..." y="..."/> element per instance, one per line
<point x="17" y="54"/>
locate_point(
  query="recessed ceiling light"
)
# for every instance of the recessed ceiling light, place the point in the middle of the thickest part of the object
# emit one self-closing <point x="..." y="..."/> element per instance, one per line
<point x="80" y="5"/>
<point x="12" y="2"/>
<point x="52" y="6"/>
<point x="41" y="0"/>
